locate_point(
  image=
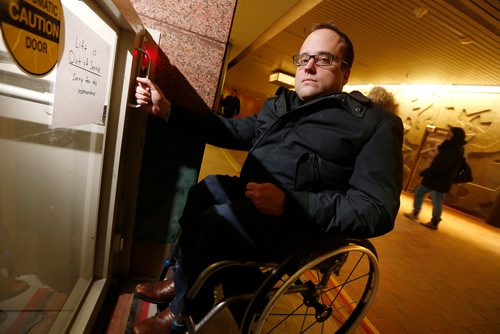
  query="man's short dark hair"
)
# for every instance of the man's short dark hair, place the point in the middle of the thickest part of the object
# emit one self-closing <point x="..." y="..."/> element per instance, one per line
<point x="348" y="55"/>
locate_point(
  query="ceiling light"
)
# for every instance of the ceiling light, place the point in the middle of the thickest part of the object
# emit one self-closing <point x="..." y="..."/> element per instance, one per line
<point x="466" y="40"/>
<point x="419" y="12"/>
<point x="283" y="79"/>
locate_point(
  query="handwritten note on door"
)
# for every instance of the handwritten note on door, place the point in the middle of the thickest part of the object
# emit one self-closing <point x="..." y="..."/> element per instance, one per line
<point x="82" y="75"/>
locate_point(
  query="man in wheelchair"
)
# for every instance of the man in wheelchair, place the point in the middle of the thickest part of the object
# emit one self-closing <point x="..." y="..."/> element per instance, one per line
<point x="321" y="162"/>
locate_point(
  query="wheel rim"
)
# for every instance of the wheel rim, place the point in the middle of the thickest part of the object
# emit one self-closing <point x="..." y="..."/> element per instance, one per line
<point x="327" y="303"/>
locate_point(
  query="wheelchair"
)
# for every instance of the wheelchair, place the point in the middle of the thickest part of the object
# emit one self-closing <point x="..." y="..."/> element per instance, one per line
<point x="325" y="287"/>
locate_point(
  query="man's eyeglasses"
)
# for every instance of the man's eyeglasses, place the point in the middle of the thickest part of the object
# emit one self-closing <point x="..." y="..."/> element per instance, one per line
<point x="322" y="59"/>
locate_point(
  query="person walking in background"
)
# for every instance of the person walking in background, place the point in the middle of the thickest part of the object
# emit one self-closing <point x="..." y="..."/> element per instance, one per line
<point x="220" y="108"/>
<point x="231" y="105"/>
<point x="439" y="176"/>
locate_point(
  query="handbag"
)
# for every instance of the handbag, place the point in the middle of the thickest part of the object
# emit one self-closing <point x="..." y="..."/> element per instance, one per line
<point x="464" y="173"/>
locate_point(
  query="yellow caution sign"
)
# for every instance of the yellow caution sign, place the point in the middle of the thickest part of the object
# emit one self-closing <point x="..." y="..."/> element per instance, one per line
<point x="31" y="30"/>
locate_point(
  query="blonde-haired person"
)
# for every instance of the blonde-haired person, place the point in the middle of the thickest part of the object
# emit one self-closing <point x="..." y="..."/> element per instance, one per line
<point x="386" y="99"/>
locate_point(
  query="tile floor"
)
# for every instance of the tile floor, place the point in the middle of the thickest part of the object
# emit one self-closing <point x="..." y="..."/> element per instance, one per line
<point x="444" y="281"/>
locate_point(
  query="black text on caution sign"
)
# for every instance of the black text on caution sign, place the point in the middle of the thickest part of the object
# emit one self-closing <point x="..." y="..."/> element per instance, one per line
<point x="31" y="30"/>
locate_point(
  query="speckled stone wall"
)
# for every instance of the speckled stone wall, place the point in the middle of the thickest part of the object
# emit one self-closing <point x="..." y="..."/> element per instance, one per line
<point x="194" y="35"/>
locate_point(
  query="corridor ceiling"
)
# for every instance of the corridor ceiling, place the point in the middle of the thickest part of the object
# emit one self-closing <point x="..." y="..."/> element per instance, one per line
<point x="395" y="41"/>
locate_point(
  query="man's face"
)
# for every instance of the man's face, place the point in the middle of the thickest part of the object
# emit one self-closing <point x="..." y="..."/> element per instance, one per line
<point x="312" y="80"/>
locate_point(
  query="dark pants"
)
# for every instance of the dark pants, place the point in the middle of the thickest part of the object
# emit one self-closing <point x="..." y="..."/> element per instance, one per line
<point x="220" y="223"/>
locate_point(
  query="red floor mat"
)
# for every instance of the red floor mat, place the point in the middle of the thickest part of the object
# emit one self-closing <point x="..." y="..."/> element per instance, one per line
<point x="39" y="313"/>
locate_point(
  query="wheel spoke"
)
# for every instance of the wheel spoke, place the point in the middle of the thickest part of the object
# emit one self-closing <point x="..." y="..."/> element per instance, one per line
<point x="306" y="297"/>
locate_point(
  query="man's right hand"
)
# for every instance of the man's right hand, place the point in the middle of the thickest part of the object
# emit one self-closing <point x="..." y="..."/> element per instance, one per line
<point x="267" y="198"/>
<point x="151" y="98"/>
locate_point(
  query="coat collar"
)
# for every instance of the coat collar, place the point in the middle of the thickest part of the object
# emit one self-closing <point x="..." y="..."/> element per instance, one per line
<point x="355" y="102"/>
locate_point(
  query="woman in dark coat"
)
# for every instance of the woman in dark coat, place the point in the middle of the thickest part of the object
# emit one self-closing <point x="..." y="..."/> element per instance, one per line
<point x="439" y="176"/>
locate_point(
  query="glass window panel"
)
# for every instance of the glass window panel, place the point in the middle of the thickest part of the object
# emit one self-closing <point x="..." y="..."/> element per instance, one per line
<point x="49" y="196"/>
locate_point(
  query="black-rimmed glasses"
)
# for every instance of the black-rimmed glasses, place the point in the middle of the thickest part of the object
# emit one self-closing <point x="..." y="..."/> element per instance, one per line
<point x="322" y="59"/>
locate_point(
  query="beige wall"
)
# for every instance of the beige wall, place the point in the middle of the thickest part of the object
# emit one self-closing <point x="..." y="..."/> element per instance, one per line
<point x="476" y="110"/>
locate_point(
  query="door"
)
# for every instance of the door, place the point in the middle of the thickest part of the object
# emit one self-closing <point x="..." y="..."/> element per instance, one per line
<point x="59" y="170"/>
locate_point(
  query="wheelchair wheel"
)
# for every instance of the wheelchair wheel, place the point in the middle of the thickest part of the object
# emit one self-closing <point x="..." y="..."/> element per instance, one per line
<point x="318" y="290"/>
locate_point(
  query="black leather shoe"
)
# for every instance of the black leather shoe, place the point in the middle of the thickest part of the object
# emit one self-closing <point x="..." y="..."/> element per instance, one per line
<point x="159" y="292"/>
<point x="159" y="324"/>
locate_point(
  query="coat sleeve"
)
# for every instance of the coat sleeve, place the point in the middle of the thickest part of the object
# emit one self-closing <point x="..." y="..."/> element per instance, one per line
<point x="236" y="134"/>
<point x="369" y="206"/>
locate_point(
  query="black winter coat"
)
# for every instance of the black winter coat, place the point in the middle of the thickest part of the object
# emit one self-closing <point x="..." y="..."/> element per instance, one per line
<point x="441" y="173"/>
<point x="338" y="157"/>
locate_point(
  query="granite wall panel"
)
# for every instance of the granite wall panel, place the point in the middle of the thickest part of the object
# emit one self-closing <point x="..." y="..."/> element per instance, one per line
<point x="194" y="37"/>
<point x="211" y="19"/>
